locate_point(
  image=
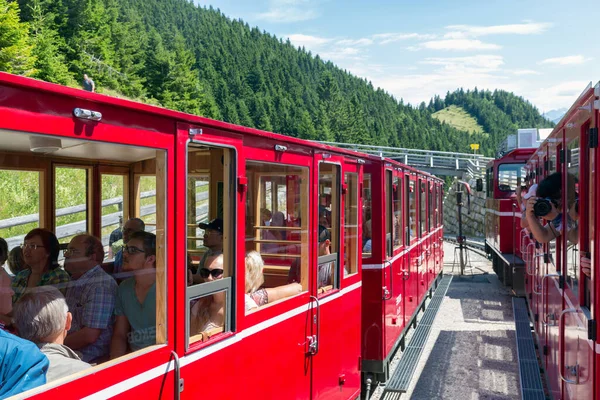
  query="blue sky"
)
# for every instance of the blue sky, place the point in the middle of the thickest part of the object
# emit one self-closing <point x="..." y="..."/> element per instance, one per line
<point x="545" y="51"/>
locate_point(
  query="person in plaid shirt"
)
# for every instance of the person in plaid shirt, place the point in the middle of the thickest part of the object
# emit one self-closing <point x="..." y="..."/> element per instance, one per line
<point x="91" y="299"/>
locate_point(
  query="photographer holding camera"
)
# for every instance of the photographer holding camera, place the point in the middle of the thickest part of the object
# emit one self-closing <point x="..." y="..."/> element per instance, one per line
<point x="548" y="206"/>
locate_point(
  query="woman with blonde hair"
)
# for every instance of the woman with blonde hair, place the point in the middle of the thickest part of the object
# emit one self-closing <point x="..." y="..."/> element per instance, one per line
<point x="254" y="277"/>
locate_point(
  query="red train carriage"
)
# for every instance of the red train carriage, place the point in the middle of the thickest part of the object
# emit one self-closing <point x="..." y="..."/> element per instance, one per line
<point x="302" y="346"/>
<point x="299" y="205"/>
<point x="502" y="216"/>
<point x="561" y="275"/>
<point x="403" y="258"/>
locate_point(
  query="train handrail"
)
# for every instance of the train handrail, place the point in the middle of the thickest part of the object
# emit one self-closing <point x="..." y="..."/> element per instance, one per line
<point x="523" y="239"/>
<point x="544" y="320"/>
<point x="528" y="261"/>
<point x="314" y="345"/>
<point x="387" y="292"/>
<point x="561" y="357"/>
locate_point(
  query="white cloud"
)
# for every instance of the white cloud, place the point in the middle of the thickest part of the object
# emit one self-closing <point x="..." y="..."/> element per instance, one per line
<point x="385" y="38"/>
<point x="568" y="60"/>
<point x="520" y="72"/>
<point x="459" y="44"/>
<point x="284" y="11"/>
<point x="357" y="42"/>
<point x="560" y="95"/>
<point x="527" y="28"/>
<point x="310" y="42"/>
<point x="478" y="62"/>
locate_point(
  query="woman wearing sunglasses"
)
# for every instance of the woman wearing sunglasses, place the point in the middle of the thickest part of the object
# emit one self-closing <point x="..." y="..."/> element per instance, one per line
<point x="209" y="312"/>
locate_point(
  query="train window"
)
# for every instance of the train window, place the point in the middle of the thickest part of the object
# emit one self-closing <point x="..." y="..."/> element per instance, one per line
<point x="508" y="174"/>
<point x="434" y="205"/>
<point x="145" y="200"/>
<point x="412" y="211"/>
<point x="61" y="189"/>
<point x="367" y="230"/>
<point x="440" y="205"/>
<point x="210" y="256"/>
<point x="351" y="240"/>
<point x="572" y="243"/>
<point x="277" y="230"/>
<point x="71" y="200"/>
<point x="388" y="213"/>
<point x="113" y="204"/>
<point x="422" y="210"/>
<point x="19" y="213"/>
<point x="397" y="208"/>
<point x="329" y="227"/>
<point x="429" y="206"/>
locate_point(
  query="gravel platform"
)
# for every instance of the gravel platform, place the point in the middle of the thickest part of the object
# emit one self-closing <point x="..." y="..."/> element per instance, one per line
<point x="471" y="351"/>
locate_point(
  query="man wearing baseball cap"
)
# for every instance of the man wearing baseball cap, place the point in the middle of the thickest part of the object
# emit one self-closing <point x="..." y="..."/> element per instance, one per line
<point x="213" y="239"/>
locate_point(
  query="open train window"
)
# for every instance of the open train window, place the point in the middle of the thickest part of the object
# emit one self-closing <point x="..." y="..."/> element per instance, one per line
<point x="328" y="233"/>
<point x="508" y="175"/>
<point x="388" y="213"/>
<point x="367" y="230"/>
<point x="115" y="207"/>
<point x="412" y="210"/>
<point x="276" y="232"/>
<point x="397" y="209"/>
<point x="59" y="187"/>
<point x="210" y="177"/>
<point x="351" y="239"/>
<point x="422" y="207"/>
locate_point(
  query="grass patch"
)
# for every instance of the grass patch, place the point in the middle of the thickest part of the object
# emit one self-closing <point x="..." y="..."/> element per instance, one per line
<point x="458" y="118"/>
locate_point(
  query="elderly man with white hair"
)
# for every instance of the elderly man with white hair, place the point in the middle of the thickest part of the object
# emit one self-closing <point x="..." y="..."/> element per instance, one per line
<point x="42" y="316"/>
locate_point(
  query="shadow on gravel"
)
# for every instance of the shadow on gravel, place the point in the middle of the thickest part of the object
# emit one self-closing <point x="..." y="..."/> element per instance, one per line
<point x="469" y="365"/>
<point x="480" y="301"/>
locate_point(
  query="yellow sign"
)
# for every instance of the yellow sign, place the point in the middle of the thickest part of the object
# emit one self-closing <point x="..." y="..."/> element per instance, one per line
<point x="474" y="146"/>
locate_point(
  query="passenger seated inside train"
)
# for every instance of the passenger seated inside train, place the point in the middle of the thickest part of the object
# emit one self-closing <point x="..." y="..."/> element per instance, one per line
<point x="91" y="297"/>
<point x="326" y="270"/>
<point x="3" y="252"/>
<point x="367" y="243"/>
<point x="42" y="317"/>
<point x="135" y="307"/>
<point x="15" y="260"/>
<point x="257" y="296"/>
<point x="547" y="204"/>
<point x="209" y="312"/>
<point x="213" y="240"/>
<point x="131" y="226"/>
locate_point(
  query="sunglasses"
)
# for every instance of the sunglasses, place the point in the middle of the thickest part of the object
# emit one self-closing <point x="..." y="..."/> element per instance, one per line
<point x="205" y="272"/>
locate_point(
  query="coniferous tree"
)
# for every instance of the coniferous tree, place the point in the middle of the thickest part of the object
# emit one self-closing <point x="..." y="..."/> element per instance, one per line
<point x="15" y="45"/>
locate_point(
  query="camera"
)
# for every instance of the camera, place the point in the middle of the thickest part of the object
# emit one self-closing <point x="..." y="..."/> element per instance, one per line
<point x="542" y="207"/>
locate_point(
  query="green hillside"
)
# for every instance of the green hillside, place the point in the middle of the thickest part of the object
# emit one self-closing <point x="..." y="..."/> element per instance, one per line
<point x="458" y="118"/>
<point x="193" y="59"/>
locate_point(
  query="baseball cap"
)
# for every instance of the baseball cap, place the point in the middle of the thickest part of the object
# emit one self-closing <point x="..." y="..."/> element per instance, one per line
<point x="531" y="192"/>
<point x="323" y="234"/>
<point x="215" y="225"/>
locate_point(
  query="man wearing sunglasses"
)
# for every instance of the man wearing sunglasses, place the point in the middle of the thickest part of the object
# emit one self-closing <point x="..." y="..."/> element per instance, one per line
<point x="91" y="299"/>
<point x="135" y="307"/>
<point x="213" y="240"/>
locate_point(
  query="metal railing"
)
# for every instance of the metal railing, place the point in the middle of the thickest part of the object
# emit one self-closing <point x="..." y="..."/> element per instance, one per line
<point x="472" y="165"/>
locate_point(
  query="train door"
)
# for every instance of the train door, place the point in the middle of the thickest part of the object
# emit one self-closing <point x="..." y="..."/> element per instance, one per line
<point x="440" y="207"/>
<point x="412" y="262"/>
<point x="429" y="250"/>
<point x="577" y="347"/>
<point x="422" y="232"/>
<point x="335" y="287"/>
<point x="393" y="270"/>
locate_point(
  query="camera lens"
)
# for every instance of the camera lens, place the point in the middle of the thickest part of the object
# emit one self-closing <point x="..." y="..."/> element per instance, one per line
<point x="542" y="207"/>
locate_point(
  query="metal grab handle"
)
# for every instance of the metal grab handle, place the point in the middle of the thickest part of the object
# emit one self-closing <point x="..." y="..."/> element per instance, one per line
<point x="527" y="260"/>
<point x="313" y="347"/>
<point x="574" y="369"/>
<point x="544" y="321"/>
<point x="387" y="294"/>
<point x="523" y="236"/>
<point x="178" y="381"/>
